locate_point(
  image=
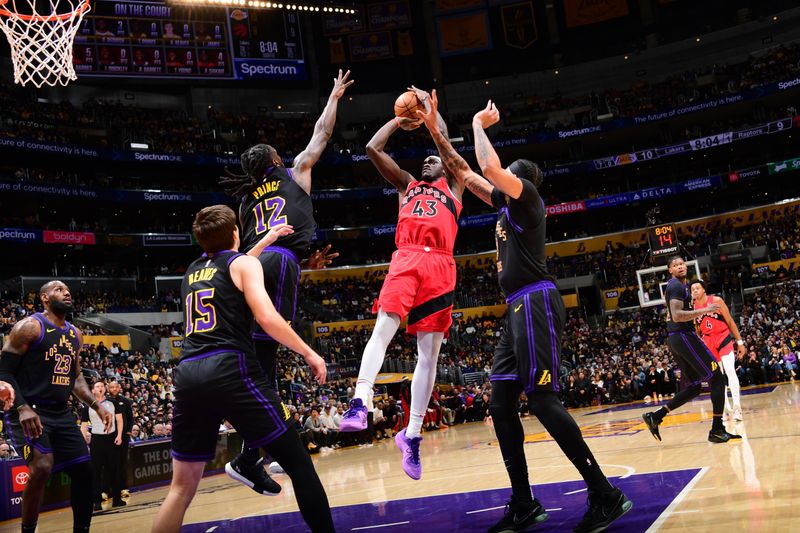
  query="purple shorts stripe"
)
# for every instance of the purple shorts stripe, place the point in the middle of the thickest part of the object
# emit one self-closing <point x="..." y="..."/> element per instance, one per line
<point x="710" y="373"/>
<point x="209" y="354"/>
<point x="531" y="344"/>
<point x="281" y="279"/>
<point x="553" y="341"/>
<point x="541" y="285"/>
<point x="191" y="458"/>
<point x="39" y="447"/>
<point x="280" y="425"/>
<point x="261" y="337"/>
<point x="283" y="251"/>
<point x="66" y="464"/>
<point x="294" y="297"/>
<point x="503" y="377"/>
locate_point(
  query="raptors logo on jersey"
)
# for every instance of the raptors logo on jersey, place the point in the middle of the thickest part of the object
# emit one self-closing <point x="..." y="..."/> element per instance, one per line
<point x="428" y="216"/>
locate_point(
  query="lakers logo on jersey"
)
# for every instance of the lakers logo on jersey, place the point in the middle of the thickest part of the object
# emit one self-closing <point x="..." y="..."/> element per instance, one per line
<point x="714" y="366"/>
<point x="545" y="379"/>
<point x="286" y="414"/>
<point x="26" y="452"/>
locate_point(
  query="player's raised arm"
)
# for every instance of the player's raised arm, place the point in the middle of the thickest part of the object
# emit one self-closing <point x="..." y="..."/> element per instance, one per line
<point x="390" y="170"/>
<point x="323" y="130"/>
<point x="248" y="276"/>
<point x="505" y="181"/>
<point x="452" y="161"/>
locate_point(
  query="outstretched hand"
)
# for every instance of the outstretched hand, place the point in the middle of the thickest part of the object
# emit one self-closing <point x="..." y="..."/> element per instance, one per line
<point x="488" y="116"/>
<point x="319" y="259"/>
<point x="340" y="84"/>
<point x="429" y="117"/>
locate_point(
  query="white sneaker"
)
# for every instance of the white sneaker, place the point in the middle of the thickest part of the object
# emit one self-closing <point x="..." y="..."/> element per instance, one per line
<point x="737" y="414"/>
<point x="275" y="468"/>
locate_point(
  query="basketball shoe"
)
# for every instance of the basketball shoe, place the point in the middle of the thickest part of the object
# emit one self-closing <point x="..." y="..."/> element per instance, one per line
<point x="520" y="516"/>
<point x="652" y="423"/>
<point x="253" y="476"/>
<point x="355" y="418"/>
<point x="603" y="509"/>
<point x="410" y="450"/>
<point x="718" y="436"/>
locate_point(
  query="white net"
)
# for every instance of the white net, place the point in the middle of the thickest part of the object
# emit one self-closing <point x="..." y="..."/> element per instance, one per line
<point x="41" y="39"/>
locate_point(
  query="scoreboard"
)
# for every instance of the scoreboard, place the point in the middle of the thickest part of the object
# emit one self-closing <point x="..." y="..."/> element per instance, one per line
<point x="154" y="39"/>
<point x="663" y="240"/>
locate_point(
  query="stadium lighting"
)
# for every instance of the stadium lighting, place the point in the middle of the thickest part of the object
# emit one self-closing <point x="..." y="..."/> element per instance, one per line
<point x="259" y="4"/>
<point x="139" y="146"/>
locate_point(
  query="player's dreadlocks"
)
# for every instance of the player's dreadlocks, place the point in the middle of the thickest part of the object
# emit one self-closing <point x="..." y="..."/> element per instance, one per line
<point x="255" y="161"/>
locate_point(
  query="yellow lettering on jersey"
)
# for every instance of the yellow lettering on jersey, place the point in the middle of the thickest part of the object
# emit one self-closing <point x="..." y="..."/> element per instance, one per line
<point x="517" y="308"/>
<point x="546" y="378"/>
<point x="60" y="380"/>
<point x="713" y="366"/>
<point x="266" y="188"/>
<point x="204" y="274"/>
<point x="26" y="452"/>
<point x="286" y="414"/>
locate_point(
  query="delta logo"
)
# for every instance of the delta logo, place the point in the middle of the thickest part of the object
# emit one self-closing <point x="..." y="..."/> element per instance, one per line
<point x="19" y="478"/>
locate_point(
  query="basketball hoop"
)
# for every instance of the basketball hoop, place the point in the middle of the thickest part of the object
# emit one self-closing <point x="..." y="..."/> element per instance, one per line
<point x="41" y="40"/>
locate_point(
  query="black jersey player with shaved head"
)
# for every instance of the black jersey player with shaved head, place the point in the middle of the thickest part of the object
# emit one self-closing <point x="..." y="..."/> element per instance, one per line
<point x="272" y="195"/>
<point x="41" y="361"/>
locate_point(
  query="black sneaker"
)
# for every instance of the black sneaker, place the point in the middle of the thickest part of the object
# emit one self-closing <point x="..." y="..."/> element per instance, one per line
<point x="602" y="511"/>
<point x="119" y="503"/>
<point x="520" y="516"/>
<point x="720" y="435"/>
<point x="254" y="477"/>
<point x="652" y="424"/>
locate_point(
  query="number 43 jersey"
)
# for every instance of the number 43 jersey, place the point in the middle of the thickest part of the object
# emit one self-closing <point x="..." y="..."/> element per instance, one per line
<point x="216" y="315"/>
<point x="277" y="200"/>
<point x="428" y="216"/>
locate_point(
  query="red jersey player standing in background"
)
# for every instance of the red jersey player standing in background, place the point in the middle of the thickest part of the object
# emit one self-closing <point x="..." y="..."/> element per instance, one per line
<point x="719" y="331"/>
<point x="419" y="285"/>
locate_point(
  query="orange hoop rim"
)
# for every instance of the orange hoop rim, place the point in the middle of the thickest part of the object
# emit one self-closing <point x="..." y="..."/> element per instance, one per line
<point x="80" y="10"/>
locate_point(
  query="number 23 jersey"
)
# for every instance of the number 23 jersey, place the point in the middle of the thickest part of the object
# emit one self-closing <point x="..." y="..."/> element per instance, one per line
<point x="276" y="200"/>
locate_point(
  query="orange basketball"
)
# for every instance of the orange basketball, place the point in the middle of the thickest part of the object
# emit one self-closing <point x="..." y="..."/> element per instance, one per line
<point x="407" y="104"/>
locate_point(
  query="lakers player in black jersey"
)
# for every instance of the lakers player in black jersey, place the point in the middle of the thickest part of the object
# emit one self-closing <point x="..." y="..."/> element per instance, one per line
<point x="528" y="356"/>
<point x="219" y="378"/>
<point x="41" y="362"/>
<point x="271" y="195"/>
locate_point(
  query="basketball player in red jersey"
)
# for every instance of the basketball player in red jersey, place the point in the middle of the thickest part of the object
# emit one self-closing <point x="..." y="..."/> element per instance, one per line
<point x="420" y="283"/>
<point x="719" y="331"/>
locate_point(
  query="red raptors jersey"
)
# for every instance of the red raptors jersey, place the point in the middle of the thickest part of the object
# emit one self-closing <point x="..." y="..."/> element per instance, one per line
<point x="428" y="216"/>
<point x="712" y="324"/>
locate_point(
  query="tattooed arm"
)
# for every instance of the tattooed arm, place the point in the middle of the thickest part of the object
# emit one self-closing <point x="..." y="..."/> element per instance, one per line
<point x="505" y="181"/>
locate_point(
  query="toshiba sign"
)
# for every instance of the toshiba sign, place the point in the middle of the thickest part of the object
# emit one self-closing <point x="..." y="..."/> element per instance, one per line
<point x="68" y="237"/>
<point x="566" y="207"/>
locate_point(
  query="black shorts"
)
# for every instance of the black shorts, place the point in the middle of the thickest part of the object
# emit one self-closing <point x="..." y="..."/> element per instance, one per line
<point x="697" y="364"/>
<point x="62" y="437"/>
<point x="281" y="278"/>
<point x="530" y="348"/>
<point x="223" y="386"/>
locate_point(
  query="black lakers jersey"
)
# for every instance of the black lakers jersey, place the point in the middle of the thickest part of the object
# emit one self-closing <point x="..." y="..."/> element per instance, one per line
<point x="49" y="368"/>
<point x="520" y="236"/>
<point x="277" y="200"/>
<point x="216" y="315"/>
<point x="677" y="290"/>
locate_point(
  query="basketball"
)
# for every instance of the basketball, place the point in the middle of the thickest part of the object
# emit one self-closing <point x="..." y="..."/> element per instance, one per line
<point x="407" y="104"/>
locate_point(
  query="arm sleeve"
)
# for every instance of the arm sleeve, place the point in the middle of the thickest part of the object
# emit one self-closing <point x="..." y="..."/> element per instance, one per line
<point x="528" y="209"/>
<point x="498" y="199"/>
<point x="9" y="364"/>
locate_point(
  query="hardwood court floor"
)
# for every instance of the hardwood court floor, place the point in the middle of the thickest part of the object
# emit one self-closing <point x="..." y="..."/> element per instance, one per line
<point x="681" y="484"/>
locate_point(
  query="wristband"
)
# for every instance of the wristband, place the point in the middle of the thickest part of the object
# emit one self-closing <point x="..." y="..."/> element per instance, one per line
<point x="740" y="342"/>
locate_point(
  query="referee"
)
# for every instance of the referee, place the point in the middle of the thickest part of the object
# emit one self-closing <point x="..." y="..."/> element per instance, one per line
<point x="102" y="447"/>
<point x="123" y="406"/>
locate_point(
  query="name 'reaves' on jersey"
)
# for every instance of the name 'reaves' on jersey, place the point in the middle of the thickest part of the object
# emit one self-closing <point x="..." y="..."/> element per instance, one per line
<point x="711" y="324"/>
<point x="676" y="290"/>
<point x="428" y="216"/>
<point x="216" y="315"/>
<point x="520" y="238"/>
<point x="48" y="370"/>
<point x="276" y="200"/>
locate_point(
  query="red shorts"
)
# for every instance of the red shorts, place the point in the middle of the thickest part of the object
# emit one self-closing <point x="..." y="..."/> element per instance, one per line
<point x="719" y="345"/>
<point x="420" y="285"/>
